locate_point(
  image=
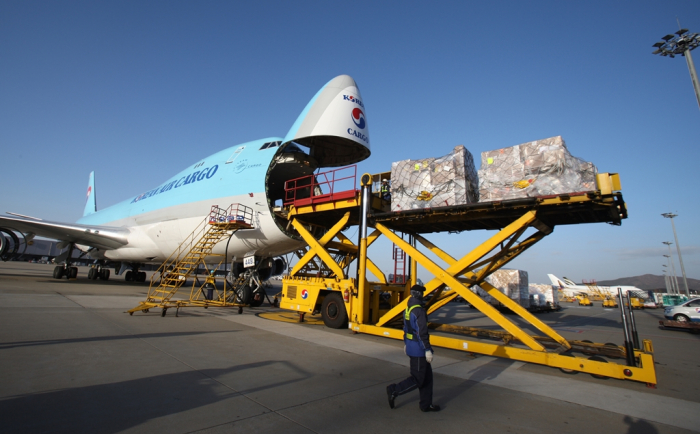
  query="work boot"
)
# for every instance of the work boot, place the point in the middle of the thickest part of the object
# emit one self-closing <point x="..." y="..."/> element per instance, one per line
<point x="390" y="394"/>
<point x="432" y="407"/>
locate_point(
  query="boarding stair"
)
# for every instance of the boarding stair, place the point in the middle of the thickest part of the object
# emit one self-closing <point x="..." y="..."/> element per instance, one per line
<point x="192" y="253"/>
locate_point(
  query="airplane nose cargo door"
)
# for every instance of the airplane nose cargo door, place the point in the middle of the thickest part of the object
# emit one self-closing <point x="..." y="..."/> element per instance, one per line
<point x="334" y="125"/>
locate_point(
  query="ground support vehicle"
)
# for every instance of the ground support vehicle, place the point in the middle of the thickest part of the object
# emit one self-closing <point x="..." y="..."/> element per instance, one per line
<point x="610" y="302"/>
<point x="321" y="280"/>
<point x="583" y="300"/>
<point x="637" y="303"/>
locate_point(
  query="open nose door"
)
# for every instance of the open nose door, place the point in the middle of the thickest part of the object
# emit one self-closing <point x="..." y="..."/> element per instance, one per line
<point x="334" y="125"/>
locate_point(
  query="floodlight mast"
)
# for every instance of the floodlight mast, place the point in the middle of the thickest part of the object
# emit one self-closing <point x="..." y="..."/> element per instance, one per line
<point x="670" y="215"/>
<point x="682" y="43"/>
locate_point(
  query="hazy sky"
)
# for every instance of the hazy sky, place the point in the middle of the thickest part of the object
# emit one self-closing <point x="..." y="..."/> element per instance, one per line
<point x="139" y="90"/>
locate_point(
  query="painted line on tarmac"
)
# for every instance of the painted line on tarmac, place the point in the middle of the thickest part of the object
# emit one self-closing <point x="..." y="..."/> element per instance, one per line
<point x="503" y="373"/>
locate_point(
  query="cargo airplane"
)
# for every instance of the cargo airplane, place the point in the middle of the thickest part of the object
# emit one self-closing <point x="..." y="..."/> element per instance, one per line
<point x="331" y="131"/>
<point x="571" y="289"/>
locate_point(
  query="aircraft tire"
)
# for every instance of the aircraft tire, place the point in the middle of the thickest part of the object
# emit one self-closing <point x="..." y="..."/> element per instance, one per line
<point x="91" y="273"/>
<point x="141" y="276"/>
<point x="104" y="274"/>
<point x="333" y="311"/>
<point x="258" y="298"/>
<point x="244" y="294"/>
<point x="57" y="272"/>
<point x="129" y="276"/>
<point x="73" y="272"/>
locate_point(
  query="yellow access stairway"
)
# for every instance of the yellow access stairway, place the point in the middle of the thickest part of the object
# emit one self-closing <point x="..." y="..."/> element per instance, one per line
<point x="190" y="254"/>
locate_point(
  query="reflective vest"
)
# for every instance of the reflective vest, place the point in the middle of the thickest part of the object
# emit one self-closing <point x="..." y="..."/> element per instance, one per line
<point x="407" y="318"/>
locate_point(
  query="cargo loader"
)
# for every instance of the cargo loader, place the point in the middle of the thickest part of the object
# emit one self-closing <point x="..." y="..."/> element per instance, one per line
<point x="365" y="301"/>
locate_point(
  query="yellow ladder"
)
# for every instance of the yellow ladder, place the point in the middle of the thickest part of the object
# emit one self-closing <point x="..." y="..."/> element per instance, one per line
<point x="192" y="252"/>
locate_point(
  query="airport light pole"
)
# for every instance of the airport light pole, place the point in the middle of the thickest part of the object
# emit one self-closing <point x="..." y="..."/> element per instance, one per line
<point x="670" y="215"/>
<point x="665" y="277"/>
<point x="682" y="43"/>
<point x="673" y="287"/>
<point x="673" y="265"/>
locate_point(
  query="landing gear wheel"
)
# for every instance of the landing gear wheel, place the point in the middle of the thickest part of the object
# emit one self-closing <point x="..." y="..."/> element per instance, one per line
<point x="91" y="273"/>
<point x="244" y="294"/>
<point x="129" y="276"/>
<point x="57" y="272"/>
<point x="598" y="359"/>
<point x="141" y="276"/>
<point x="104" y="274"/>
<point x="568" y="371"/>
<point x="681" y="318"/>
<point x="333" y="311"/>
<point x="258" y="298"/>
<point x="73" y="272"/>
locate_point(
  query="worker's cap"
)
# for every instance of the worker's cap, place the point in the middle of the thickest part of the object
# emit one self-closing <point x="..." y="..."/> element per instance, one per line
<point x="417" y="290"/>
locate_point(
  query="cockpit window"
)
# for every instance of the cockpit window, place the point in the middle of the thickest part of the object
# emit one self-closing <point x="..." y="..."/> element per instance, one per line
<point x="270" y="145"/>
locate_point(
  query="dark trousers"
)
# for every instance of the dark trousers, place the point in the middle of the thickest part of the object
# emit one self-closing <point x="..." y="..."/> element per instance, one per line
<point x="422" y="379"/>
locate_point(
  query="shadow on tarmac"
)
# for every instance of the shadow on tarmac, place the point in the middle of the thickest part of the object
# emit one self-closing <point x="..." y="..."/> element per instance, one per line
<point x="639" y="426"/>
<point x="115" y="407"/>
<point x="487" y="371"/>
<point x="8" y="345"/>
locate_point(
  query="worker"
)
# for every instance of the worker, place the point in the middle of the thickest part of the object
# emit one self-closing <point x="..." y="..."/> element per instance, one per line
<point x="386" y="194"/>
<point x="417" y="348"/>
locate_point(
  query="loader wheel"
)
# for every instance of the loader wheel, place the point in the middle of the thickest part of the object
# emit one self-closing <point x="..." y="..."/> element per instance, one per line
<point x="598" y="359"/>
<point x="612" y="345"/>
<point x="588" y="353"/>
<point x="568" y="371"/>
<point x="333" y="311"/>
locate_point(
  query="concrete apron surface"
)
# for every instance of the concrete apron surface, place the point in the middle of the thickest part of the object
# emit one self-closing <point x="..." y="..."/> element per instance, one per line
<point x="78" y="363"/>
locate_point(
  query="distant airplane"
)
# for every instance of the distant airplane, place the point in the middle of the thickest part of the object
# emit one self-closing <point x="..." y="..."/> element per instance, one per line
<point x="571" y="289"/>
<point x="331" y="131"/>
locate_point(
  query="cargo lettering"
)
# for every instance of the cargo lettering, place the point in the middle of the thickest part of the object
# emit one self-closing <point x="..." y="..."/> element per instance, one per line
<point x="358" y="134"/>
<point x="199" y="175"/>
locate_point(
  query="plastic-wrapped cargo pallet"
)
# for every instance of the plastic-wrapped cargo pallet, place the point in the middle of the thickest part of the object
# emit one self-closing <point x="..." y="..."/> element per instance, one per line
<point x="512" y="283"/>
<point x="540" y="168"/>
<point x="434" y="182"/>
<point x="547" y="292"/>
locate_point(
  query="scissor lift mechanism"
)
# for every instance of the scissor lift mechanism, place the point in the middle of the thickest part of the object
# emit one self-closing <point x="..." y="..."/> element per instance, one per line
<point x="307" y="285"/>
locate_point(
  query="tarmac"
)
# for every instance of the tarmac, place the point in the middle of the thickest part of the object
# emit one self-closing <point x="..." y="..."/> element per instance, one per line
<point x="72" y="361"/>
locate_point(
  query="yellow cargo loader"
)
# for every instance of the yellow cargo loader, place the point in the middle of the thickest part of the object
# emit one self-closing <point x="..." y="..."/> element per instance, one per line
<point x="583" y="300"/>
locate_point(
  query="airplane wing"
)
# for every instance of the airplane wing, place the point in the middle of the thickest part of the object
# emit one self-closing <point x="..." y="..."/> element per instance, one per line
<point x="102" y="237"/>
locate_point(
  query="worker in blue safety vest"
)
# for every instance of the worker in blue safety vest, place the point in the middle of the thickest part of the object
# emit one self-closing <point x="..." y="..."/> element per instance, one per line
<point x="417" y="348"/>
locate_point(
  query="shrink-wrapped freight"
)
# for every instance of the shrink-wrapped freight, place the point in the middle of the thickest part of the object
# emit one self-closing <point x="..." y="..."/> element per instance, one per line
<point x="512" y="283"/>
<point x="546" y="294"/>
<point x="540" y="168"/>
<point x="434" y="182"/>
